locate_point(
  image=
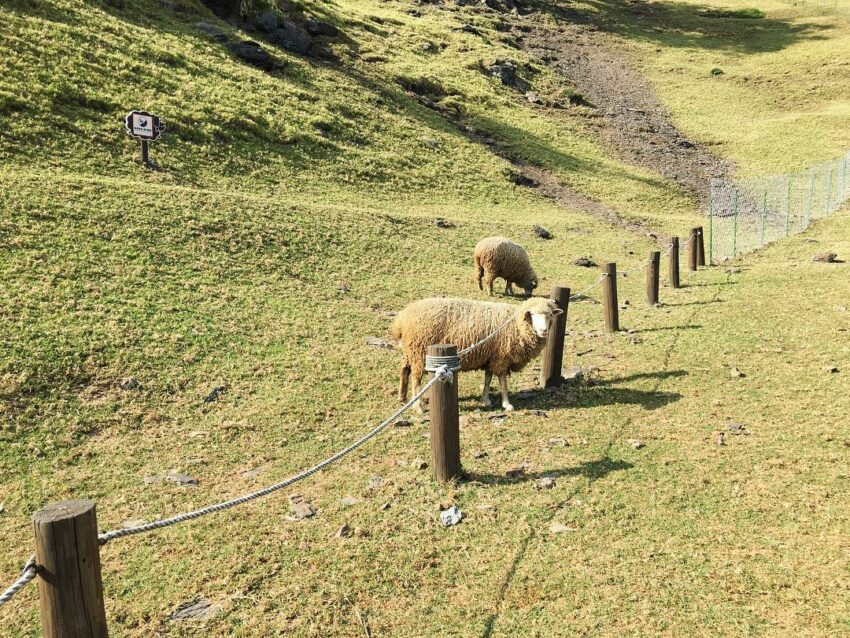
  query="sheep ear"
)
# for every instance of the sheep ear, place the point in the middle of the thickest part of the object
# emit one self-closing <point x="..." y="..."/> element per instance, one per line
<point x="528" y="316"/>
<point x="557" y="311"/>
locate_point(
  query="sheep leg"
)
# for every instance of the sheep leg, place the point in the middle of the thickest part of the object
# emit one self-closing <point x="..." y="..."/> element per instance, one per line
<point x="503" y="386"/>
<point x="404" y="380"/>
<point x="509" y="289"/>
<point x="485" y="395"/>
<point x="490" y="280"/>
<point x="480" y="277"/>
<point x="423" y="401"/>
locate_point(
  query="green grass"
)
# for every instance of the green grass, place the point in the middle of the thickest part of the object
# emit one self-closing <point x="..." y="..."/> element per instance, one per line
<point x="261" y="254"/>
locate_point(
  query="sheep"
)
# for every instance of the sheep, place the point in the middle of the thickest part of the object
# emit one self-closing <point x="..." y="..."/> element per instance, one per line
<point x="464" y="322"/>
<point x="500" y="257"/>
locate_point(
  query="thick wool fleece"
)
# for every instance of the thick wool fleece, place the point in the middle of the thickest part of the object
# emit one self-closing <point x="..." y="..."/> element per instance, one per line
<point x="464" y="322"/>
<point x="500" y="257"/>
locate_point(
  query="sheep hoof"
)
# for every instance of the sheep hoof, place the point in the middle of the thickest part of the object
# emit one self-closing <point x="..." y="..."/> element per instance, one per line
<point x="488" y="404"/>
<point x="507" y="407"/>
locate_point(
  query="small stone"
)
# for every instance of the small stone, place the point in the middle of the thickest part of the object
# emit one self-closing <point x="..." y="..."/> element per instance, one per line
<point x="430" y="142"/>
<point x="501" y="417"/>
<point x="212" y="31"/>
<point x="840" y="308"/>
<point x="479" y="454"/>
<point x="292" y="37"/>
<point x="517" y="472"/>
<point x="215" y="393"/>
<point x="721" y="439"/>
<point x="541" y="232"/>
<point x="636" y="443"/>
<point x="545" y="483"/>
<point x="451" y="516"/>
<point x="253" y="53"/>
<point x="736" y="427"/>
<point x="344" y="531"/>
<point x="129" y="383"/>
<point x="533" y="98"/>
<point x="736" y="374"/>
<point x="542" y="413"/>
<point x="133" y="522"/>
<point x="376" y="482"/>
<point x="343" y="287"/>
<point x="585" y="262"/>
<point x="348" y="501"/>
<point x="253" y="473"/>
<point x="831" y="369"/>
<point x="172" y="476"/>
<point x="443" y="223"/>
<point x="402" y="423"/>
<point x="560" y="528"/>
<point x="826" y="257"/>
<point x="320" y="28"/>
<point x="377" y="342"/>
<point x="559" y="441"/>
<point x="576" y="373"/>
<point x="419" y="464"/>
<point x="199" y="609"/>
<point x="302" y="510"/>
<point x="194" y="434"/>
<point x="385" y="507"/>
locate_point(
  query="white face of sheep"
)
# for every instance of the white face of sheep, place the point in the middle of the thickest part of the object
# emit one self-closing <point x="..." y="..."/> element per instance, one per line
<point x="542" y="322"/>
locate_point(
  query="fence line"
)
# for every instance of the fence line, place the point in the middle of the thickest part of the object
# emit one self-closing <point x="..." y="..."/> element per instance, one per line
<point x="443" y="371"/>
<point x="747" y="214"/>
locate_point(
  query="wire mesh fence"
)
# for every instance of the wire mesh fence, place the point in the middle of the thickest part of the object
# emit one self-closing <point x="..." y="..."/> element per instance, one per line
<point x="747" y="214"/>
<point x="839" y="7"/>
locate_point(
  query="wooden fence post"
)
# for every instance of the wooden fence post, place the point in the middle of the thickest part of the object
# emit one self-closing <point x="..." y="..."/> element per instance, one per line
<point x="445" y="422"/>
<point x="67" y="553"/>
<point x="700" y="247"/>
<point x="674" y="263"/>
<point x="692" y="249"/>
<point x="653" y="274"/>
<point x="553" y="355"/>
<point x="609" y="298"/>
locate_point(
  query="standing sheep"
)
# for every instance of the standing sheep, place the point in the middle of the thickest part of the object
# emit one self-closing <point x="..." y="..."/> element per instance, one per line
<point x="500" y="257"/>
<point x="520" y="334"/>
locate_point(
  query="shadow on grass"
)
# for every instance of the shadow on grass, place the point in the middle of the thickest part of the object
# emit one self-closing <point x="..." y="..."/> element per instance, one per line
<point x="592" y="470"/>
<point x="686" y="25"/>
<point x="690" y="326"/>
<point x="659" y="375"/>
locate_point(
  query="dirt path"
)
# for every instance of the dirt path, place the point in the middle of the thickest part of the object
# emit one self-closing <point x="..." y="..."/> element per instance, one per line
<point x="634" y="123"/>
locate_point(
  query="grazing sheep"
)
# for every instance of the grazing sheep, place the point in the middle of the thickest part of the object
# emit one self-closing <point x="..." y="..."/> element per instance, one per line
<point x="499" y="257"/>
<point x="463" y="322"/>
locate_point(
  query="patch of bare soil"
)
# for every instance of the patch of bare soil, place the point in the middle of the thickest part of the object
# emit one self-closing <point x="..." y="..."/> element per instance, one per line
<point x="633" y="121"/>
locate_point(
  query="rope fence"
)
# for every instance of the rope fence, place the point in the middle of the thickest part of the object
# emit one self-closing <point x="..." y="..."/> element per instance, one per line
<point x="443" y="360"/>
<point x="747" y="214"/>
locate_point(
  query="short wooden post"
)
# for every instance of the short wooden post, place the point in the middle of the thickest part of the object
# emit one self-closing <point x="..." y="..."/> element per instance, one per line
<point x="609" y="298"/>
<point x="700" y="247"/>
<point x="692" y="249"/>
<point x="67" y="553"/>
<point x="553" y="355"/>
<point x="445" y="422"/>
<point x="653" y="273"/>
<point x="145" y="158"/>
<point x="674" y="263"/>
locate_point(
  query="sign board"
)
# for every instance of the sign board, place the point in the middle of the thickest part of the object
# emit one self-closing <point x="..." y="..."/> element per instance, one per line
<point x="144" y="126"/>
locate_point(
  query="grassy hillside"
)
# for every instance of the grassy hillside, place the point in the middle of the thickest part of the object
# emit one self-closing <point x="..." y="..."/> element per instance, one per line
<point x="290" y="212"/>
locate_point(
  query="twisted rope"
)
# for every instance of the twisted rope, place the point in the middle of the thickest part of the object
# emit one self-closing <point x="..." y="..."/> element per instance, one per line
<point x="440" y="374"/>
<point x="589" y="288"/>
<point x="27" y="574"/>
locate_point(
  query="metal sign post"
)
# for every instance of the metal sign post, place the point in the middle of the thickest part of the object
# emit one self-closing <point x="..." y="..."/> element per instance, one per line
<point x="146" y="128"/>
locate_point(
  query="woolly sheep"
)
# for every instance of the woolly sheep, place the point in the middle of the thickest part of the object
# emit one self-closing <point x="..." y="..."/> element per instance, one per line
<point x="464" y="322"/>
<point x="500" y="257"/>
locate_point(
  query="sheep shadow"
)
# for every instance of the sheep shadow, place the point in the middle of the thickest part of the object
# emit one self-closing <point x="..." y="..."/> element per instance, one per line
<point x="599" y="394"/>
<point x="690" y="326"/>
<point x="592" y="470"/>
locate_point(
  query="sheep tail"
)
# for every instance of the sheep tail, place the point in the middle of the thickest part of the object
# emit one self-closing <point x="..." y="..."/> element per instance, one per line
<point x="480" y="270"/>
